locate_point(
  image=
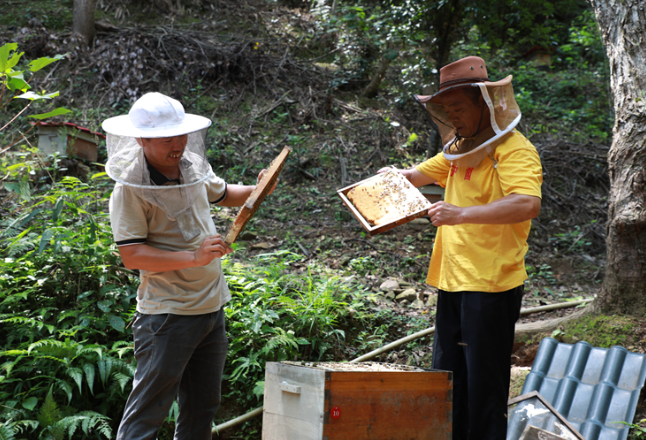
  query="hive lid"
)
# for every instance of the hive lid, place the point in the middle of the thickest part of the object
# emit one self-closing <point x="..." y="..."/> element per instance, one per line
<point x="357" y="366"/>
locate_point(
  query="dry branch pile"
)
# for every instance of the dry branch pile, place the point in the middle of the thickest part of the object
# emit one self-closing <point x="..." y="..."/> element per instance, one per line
<point x="575" y="187"/>
<point x="132" y="61"/>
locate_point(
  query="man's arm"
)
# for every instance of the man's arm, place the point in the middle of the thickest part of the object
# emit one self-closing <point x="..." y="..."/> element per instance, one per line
<point x="413" y="175"/>
<point x="416" y="178"/>
<point x="145" y="257"/>
<point x="238" y="194"/>
<point x="514" y="208"/>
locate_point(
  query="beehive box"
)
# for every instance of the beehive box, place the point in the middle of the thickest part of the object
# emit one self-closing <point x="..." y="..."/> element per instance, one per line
<point x="325" y="401"/>
<point x="66" y="138"/>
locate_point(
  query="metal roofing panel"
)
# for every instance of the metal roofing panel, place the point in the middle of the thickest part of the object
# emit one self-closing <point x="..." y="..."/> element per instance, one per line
<point x="593" y="388"/>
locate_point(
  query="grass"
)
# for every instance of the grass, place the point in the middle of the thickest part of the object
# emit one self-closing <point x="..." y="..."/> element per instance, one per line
<point x="599" y="331"/>
<point x="53" y="14"/>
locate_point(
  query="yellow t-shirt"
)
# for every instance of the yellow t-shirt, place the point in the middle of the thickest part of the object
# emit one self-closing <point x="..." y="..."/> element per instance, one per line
<point x="484" y="258"/>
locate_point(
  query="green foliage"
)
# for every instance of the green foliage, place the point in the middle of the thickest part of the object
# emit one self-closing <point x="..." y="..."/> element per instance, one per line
<point x="521" y="25"/>
<point x="637" y="430"/>
<point x="542" y="273"/>
<point x="363" y="265"/>
<point x="55" y="426"/>
<point x="570" y="99"/>
<point x="368" y="33"/>
<point x="17" y="83"/>
<point x="597" y="330"/>
<point x="574" y="241"/>
<point x="52" y="14"/>
<point x="276" y="315"/>
<point x="63" y="307"/>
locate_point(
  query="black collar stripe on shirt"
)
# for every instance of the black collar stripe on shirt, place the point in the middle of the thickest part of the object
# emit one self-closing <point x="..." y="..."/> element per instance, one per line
<point x="157" y="177"/>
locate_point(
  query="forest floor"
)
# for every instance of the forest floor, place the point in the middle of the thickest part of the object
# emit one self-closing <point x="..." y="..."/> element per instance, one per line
<point x="271" y="97"/>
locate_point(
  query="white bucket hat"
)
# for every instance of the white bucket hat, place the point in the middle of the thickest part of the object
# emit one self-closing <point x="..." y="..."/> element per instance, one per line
<point x="155" y="116"/>
<point x="158" y="116"/>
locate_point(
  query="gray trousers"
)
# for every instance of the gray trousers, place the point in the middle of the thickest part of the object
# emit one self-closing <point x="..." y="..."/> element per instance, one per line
<point x="177" y="356"/>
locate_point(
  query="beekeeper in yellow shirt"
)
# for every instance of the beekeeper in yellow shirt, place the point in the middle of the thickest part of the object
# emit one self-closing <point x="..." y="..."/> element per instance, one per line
<point x="492" y="175"/>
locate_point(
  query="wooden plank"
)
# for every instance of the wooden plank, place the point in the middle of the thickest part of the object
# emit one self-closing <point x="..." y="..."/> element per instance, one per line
<point x="558" y="415"/>
<point x="388" y="405"/>
<point x="281" y="427"/>
<point x="395" y="376"/>
<point x="257" y="196"/>
<point x="534" y="433"/>
<point x="289" y="416"/>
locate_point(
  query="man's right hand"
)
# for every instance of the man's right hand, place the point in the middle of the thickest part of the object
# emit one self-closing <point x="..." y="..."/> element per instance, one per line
<point x="211" y="248"/>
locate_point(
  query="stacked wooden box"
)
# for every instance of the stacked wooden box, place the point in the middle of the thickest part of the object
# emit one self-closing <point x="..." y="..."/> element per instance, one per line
<point x="373" y="401"/>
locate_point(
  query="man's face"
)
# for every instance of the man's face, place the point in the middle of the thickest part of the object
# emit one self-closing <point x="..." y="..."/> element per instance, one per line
<point x="463" y="113"/>
<point x="164" y="153"/>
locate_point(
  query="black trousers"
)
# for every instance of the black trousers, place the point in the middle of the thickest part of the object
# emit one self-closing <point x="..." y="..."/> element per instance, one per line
<point x="474" y="336"/>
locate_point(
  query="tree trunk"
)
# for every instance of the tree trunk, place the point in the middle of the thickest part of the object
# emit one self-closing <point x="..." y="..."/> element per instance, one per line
<point x="83" y="22"/>
<point x="373" y="88"/>
<point x="445" y="22"/>
<point x="624" y="288"/>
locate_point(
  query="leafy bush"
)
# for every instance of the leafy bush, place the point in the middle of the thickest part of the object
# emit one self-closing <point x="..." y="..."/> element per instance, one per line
<point x="67" y="361"/>
<point x="64" y="302"/>
<point x="571" y="97"/>
<point x="276" y="316"/>
<point x="17" y="83"/>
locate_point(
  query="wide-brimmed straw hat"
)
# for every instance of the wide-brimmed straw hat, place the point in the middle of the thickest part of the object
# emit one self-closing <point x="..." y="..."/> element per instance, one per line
<point x="467" y="70"/>
<point x="498" y="96"/>
<point x="155" y="116"/>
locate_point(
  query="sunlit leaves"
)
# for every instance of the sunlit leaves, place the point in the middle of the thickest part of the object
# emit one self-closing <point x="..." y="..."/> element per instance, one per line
<point x="8" y="62"/>
<point x="39" y="63"/>
<point x="56" y="112"/>
<point x="33" y="96"/>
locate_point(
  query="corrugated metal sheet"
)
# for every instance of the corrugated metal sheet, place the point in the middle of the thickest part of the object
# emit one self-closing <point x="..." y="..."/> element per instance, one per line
<point x="593" y="388"/>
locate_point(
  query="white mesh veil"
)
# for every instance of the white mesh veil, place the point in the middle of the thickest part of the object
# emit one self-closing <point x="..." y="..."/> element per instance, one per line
<point x="127" y="163"/>
<point x="504" y="116"/>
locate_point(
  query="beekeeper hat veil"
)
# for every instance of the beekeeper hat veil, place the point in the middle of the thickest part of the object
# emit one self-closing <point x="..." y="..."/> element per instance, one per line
<point x="157" y="116"/>
<point x="504" y="113"/>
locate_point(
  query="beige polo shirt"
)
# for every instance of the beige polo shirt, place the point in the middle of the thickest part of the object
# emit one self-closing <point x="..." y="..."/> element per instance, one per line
<point x="192" y="291"/>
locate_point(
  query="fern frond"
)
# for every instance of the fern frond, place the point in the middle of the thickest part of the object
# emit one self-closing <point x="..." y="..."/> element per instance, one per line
<point x="105" y="368"/>
<point x="67" y="388"/>
<point x="24" y="425"/>
<point x="9" y="365"/>
<point x="122" y="380"/>
<point x="49" y="412"/>
<point x="77" y="375"/>
<point x="8" y="431"/>
<point x="87" y="421"/>
<point x="89" y="376"/>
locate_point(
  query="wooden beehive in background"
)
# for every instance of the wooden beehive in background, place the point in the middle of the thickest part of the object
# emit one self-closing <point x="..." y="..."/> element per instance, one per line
<point x="68" y="139"/>
<point x="356" y="402"/>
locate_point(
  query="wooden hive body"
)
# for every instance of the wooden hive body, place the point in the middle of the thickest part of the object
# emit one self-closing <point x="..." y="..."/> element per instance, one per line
<point x="308" y="403"/>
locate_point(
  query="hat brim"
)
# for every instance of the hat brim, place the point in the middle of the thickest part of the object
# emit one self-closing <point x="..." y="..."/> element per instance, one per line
<point x="122" y="126"/>
<point x="437" y="97"/>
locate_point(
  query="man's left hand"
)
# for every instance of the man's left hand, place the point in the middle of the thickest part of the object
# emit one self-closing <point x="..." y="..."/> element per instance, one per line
<point x="445" y="214"/>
